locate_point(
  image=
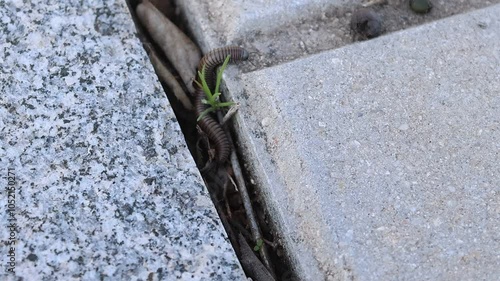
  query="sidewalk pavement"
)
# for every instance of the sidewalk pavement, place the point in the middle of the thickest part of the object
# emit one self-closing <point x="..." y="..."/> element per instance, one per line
<point x="97" y="183"/>
<point x="378" y="160"/>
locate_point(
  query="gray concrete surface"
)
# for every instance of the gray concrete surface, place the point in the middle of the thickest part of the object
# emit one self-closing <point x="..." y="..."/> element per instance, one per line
<point x="278" y="31"/>
<point x="96" y="181"/>
<point x="380" y="160"/>
<point x="233" y="19"/>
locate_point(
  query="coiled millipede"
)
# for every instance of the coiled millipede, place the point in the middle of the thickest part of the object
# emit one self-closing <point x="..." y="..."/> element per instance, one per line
<point x="208" y="124"/>
<point x="216" y="57"/>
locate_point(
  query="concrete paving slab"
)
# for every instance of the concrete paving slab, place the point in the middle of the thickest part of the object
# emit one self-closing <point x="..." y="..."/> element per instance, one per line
<point x="278" y="31"/>
<point x="380" y="160"/>
<point x="233" y="19"/>
<point x="96" y="180"/>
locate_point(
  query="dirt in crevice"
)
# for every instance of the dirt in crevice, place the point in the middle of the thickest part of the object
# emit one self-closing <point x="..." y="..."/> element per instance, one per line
<point x="315" y="33"/>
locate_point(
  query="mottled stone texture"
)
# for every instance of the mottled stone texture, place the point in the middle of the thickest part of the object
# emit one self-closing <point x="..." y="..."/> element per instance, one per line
<point x="105" y="188"/>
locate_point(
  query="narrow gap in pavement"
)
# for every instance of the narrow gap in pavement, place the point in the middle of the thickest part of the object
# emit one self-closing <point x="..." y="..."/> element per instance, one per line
<point x="225" y="197"/>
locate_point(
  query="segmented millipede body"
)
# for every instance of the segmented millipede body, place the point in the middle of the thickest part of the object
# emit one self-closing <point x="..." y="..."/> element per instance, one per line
<point x="208" y="124"/>
<point x="216" y="57"/>
<point x="212" y="128"/>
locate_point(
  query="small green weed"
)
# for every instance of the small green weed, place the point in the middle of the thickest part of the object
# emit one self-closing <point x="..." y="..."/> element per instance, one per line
<point x="213" y="99"/>
<point x="258" y="245"/>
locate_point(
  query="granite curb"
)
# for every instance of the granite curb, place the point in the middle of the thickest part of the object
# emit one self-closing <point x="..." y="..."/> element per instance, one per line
<point x="103" y="185"/>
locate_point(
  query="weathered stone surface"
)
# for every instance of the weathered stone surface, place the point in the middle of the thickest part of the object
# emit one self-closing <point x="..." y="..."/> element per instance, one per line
<point x="278" y="31"/>
<point x="105" y="188"/>
<point x="380" y="160"/>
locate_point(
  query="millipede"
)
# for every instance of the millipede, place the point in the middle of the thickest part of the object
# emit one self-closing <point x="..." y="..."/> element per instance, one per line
<point x="212" y="128"/>
<point x="216" y="57"/>
<point x="208" y="124"/>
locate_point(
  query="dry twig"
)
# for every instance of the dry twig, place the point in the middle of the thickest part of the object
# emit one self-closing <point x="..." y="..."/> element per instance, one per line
<point x="169" y="79"/>
<point x="254" y="226"/>
<point x="178" y="48"/>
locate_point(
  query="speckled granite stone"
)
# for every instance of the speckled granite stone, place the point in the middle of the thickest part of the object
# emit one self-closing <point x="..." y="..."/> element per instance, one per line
<point x="105" y="186"/>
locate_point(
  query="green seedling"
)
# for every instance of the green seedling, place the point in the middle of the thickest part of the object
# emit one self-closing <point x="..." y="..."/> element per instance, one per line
<point x="258" y="245"/>
<point x="213" y="99"/>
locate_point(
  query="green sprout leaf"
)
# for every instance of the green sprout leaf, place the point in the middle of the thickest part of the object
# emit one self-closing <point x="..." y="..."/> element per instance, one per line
<point x="204" y="113"/>
<point x="215" y="97"/>
<point x="212" y="99"/>
<point x="204" y="84"/>
<point x="219" y="73"/>
<point x="258" y="245"/>
<point x="226" y="104"/>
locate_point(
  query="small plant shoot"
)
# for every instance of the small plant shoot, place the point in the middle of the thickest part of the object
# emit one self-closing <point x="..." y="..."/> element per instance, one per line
<point x="213" y="99"/>
<point x="258" y="245"/>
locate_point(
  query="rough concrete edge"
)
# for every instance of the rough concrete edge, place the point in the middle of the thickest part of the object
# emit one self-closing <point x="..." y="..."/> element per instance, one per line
<point x="303" y="263"/>
<point x="228" y="20"/>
